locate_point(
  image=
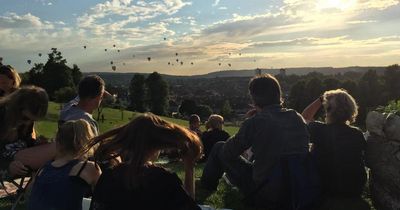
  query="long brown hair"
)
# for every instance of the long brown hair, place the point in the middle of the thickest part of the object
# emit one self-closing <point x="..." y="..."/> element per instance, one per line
<point x="144" y="135"/>
<point x="31" y="99"/>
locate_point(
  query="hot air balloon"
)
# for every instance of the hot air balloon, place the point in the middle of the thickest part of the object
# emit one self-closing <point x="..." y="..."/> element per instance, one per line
<point x="111" y="62"/>
<point x="105" y="50"/>
<point x="149" y="58"/>
<point x="240" y="54"/>
<point x="181" y="63"/>
<point x="84" y="47"/>
<point x="177" y="60"/>
<point x="219" y="64"/>
<point x="1" y="59"/>
<point x="176" y="54"/>
<point x="113" y="45"/>
<point x="40" y="54"/>
<point x="165" y="38"/>
<point x="123" y="64"/>
<point x="169" y="63"/>
<point x="118" y="50"/>
<point x="29" y="61"/>
<point x="230" y="53"/>
<point x="229" y="65"/>
<point x="133" y="56"/>
<point x="114" y="68"/>
<point x="191" y="63"/>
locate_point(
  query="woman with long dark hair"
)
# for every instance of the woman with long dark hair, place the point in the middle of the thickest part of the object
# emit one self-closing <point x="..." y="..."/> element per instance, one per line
<point x="137" y="182"/>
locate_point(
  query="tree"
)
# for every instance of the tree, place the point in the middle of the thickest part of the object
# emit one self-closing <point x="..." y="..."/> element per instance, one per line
<point x="392" y="82"/>
<point x="137" y="93"/>
<point x="65" y="94"/>
<point x="370" y="94"/>
<point x="297" y="96"/>
<point x="76" y="75"/>
<point x="204" y="111"/>
<point x="331" y="84"/>
<point x="226" y="110"/>
<point x="157" y="93"/>
<point x="55" y="74"/>
<point x="187" y="107"/>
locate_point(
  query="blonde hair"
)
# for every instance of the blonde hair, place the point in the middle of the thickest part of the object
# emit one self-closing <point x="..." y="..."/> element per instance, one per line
<point x="215" y="121"/>
<point x="72" y="136"/>
<point x="340" y="106"/>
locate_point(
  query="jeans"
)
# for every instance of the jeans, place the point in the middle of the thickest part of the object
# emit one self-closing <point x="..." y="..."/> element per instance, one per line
<point x="239" y="171"/>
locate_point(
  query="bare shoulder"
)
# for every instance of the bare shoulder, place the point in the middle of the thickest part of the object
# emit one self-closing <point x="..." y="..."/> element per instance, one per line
<point x="90" y="172"/>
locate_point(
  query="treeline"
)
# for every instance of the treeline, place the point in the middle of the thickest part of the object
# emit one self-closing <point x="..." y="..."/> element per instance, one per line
<point x="371" y="89"/>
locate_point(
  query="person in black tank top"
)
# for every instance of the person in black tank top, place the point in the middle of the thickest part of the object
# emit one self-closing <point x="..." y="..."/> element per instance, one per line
<point x="61" y="184"/>
<point x="136" y="183"/>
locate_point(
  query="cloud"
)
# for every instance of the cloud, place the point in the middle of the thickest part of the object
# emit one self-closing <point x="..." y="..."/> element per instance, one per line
<point x="13" y="20"/>
<point x="216" y="2"/>
<point x="222" y="8"/>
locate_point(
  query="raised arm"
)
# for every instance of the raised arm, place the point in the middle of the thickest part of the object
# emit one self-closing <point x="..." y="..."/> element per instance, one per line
<point x="310" y="111"/>
<point x="189" y="177"/>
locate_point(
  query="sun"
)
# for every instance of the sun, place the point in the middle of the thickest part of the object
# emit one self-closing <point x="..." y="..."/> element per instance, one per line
<point x="336" y="4"/>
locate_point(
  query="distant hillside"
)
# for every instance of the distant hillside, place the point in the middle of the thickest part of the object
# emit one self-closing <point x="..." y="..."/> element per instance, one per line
<point x="124" y="78"/>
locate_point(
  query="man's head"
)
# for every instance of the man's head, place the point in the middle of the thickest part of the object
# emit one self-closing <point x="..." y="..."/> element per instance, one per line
<point x="91" y="90"/>
<point x="265" y="90"/>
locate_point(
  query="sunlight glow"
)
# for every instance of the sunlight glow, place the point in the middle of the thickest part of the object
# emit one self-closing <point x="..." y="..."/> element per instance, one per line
<point x="336" y="4"/>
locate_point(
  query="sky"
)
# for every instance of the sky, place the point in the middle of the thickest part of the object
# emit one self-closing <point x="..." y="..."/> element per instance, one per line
<point x="205" y="35"/>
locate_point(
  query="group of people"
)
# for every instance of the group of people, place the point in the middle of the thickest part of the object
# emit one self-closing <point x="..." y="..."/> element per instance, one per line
<point x="117" y="168"/>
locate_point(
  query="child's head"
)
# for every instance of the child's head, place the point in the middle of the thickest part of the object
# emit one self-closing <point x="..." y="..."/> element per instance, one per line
<point x="72" y="136"/>
<point x="138" y="141"/>
<point x="194" y="121"/>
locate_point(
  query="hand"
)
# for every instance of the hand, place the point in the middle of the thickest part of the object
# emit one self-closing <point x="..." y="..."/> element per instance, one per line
<point x="17" y="168"/>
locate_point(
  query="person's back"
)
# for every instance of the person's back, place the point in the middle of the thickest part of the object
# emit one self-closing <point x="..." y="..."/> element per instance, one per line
<point x="275" y="132"/>
<point x="210" y="137"/>
<point x="338" y="149"/>
<point x="155" y="188"/>
<point x="55" y="188"/>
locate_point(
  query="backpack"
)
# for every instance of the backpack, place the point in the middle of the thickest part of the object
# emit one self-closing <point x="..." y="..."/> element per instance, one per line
<point x="293" y="184"/>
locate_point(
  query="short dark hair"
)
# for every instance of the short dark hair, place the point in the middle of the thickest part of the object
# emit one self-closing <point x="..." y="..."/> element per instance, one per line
<point x="90" y="86"/>
<point x="194" y="118"/>
<point x="265" y="90"/>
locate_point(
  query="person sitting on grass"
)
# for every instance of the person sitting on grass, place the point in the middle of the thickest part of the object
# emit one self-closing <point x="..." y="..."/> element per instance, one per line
<point x="214" y="133"/>
<point x="20" y="152"/>
<point x="194" y="124"/>
<point x="63" y="182"/>
<point x="137" y="182"/>
<point x="273" y="133"/>
<point x="338" y="149"/>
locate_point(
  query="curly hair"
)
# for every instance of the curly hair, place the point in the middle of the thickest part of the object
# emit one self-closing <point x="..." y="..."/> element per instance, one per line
<point x="340" y="106"/>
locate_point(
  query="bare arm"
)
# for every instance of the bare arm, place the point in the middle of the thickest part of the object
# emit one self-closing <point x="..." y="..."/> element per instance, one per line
<point x="189" y="177"/>
<point x="310" y="111"/>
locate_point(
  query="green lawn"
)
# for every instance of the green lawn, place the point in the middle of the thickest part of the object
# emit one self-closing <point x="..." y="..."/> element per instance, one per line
<point x="224" y="197"/>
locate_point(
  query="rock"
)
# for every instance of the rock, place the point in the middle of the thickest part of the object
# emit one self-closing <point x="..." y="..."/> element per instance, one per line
<point x="392" y="127"/>
<point x="375" y="122"/>
<point x="383" y="158"/>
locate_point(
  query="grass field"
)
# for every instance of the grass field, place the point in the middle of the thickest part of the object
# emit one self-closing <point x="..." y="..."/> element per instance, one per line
<point x="224" y="197"/>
